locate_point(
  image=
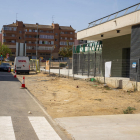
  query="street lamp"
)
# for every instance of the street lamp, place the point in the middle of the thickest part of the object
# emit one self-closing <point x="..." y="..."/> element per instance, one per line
<point x="36" y="41"/>
<point x="51" y="50"/>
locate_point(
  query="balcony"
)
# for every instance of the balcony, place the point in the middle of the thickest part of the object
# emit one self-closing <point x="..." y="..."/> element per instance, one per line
<point x="9" y="31"/>
<point x="67" y="35"/>
<point x="39" y="48"/>
<point x="9" y="37"/>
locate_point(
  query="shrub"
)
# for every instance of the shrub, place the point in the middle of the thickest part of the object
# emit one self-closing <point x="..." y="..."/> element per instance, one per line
<point x="63" y="65"/>
<point x="129" y="110"/>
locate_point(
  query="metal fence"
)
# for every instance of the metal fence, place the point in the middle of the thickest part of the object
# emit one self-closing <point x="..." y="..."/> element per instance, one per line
<point x="58" y="67"/>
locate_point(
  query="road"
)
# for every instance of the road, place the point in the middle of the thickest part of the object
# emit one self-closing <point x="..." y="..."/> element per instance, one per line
<point x="16" y="122"/>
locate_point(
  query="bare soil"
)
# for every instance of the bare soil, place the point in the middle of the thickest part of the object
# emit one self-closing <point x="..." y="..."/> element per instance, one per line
<point x="63" y="97"/>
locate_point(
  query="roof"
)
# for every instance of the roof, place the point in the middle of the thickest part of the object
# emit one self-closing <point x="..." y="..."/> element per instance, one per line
<point x="14" y="24"/>
<point x="66" y="28"/>
<point x="39" y="26"/>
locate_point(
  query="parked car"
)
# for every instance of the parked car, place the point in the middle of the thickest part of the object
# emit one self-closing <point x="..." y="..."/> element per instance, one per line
<point x="6" y="60"/>
<point x="5" y="67"/>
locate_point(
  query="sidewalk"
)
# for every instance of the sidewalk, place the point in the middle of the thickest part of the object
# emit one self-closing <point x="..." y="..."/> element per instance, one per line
<point x="107" y="127"/>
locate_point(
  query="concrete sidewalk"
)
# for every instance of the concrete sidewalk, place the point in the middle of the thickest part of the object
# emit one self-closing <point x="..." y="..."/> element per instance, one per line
<point x="107" y="127"/>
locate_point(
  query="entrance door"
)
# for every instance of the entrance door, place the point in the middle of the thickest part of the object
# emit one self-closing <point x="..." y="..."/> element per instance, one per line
<point x="125" y="62"/>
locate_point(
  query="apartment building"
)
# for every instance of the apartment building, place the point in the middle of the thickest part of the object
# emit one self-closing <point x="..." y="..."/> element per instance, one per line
<point x="48" y="39"/>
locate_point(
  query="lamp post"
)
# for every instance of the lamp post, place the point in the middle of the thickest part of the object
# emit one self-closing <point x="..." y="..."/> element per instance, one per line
<point x="36" y="41"/>
<point x="51" y="51"/>
<point x="24" y="44"/>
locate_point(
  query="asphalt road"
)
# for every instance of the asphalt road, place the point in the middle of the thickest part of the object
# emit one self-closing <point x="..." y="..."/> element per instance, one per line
<point x="15" y="121"/>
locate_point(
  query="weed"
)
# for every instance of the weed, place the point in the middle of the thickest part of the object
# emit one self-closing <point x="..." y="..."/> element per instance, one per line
<point x="115" y="108"/>
<point x="107" y="88"/>
<point x="98" y="99"/>
<point x="129" y="110"/>
<point x="138" y="101"/>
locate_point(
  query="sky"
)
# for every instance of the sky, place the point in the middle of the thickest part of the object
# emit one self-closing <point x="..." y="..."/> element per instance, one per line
<point x="77" y="13"/>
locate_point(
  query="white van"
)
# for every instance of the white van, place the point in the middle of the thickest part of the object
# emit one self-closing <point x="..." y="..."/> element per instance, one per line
<point x="21" y="64"/>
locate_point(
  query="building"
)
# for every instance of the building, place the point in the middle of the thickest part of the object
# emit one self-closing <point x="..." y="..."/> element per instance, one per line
<point x="48" y="39"/>
<point x="77" y="42"/>
<point x="120" y="40"/>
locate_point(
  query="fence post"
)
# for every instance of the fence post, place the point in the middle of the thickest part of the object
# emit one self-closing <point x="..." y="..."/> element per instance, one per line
<point x="95" y="65"/>
<point x="49" y="66"/>
<point x="68" y="68"/>
<point x="82" y="63"/>
<point x="104" y="71"/>
<point x="59" y="68"/>
<point x="88" y="63"/>
<point x="137" y="69"/>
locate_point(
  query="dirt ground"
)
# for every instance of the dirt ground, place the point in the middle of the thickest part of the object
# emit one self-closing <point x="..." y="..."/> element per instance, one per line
<point x="63" y="97"/>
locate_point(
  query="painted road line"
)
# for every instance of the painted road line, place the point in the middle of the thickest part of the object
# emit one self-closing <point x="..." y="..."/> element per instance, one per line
<point x="6" y="128"/>
<point x="43" y="129"/>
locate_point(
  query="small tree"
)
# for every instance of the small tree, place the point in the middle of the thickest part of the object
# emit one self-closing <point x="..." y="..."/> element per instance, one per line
<point x="4" y="50"/>
<point x="66" y="51"/>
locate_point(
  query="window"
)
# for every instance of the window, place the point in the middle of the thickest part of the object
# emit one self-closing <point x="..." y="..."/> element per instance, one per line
<point x="46" y="36"/>
<point x="30" y="42"/>
<point x="15" y="28"/>
<point x="13" y="41"/>
<point x="65" y="38"/>
<point x="20" y="37"/>
<point x="40" y="31"/>
<point x="35" y="30"/>
<point x="29" y="36"/>
<point x="20" y="32"/>
<point x="33" y="53"/>
<point x="55" y="39"/>
<point x="4" y="40"/>
<point x="56" y="33"/>
<point x="61" y="38"/>
<point x="52" y="42"/>
<point x="13" y="52"/>
<point x="71" y="32"/>
<point x="71" y="43"/>
<point x="62" y="32"/>
<point x="30" y="30"/>
<point x="28" y="54"/>
<point x="40" y="42"/>
<point x="4" y="34"/>
<point x="46" y="42"/>
<point x="25" y="30"/>
<point x="13" y="35"/>
<point x="66" y="32"/>
<point x="71" y="38"/>
<point x="63" y="43"/>
<point x="5" y="28"/>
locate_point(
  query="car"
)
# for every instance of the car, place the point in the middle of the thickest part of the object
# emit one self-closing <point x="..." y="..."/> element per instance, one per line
<point x="5" y="67"/>
<point x="6" y="60"/>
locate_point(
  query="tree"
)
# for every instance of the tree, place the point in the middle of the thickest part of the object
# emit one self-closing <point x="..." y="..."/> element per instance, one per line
<point x="4" y="50"/>
<point x="66" y="51"/>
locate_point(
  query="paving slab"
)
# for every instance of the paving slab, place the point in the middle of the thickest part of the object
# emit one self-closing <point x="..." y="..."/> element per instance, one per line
<point x="107" y="127"/>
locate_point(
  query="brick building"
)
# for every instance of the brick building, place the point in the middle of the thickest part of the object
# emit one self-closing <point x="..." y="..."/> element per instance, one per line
<point x="47" y="38"/>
